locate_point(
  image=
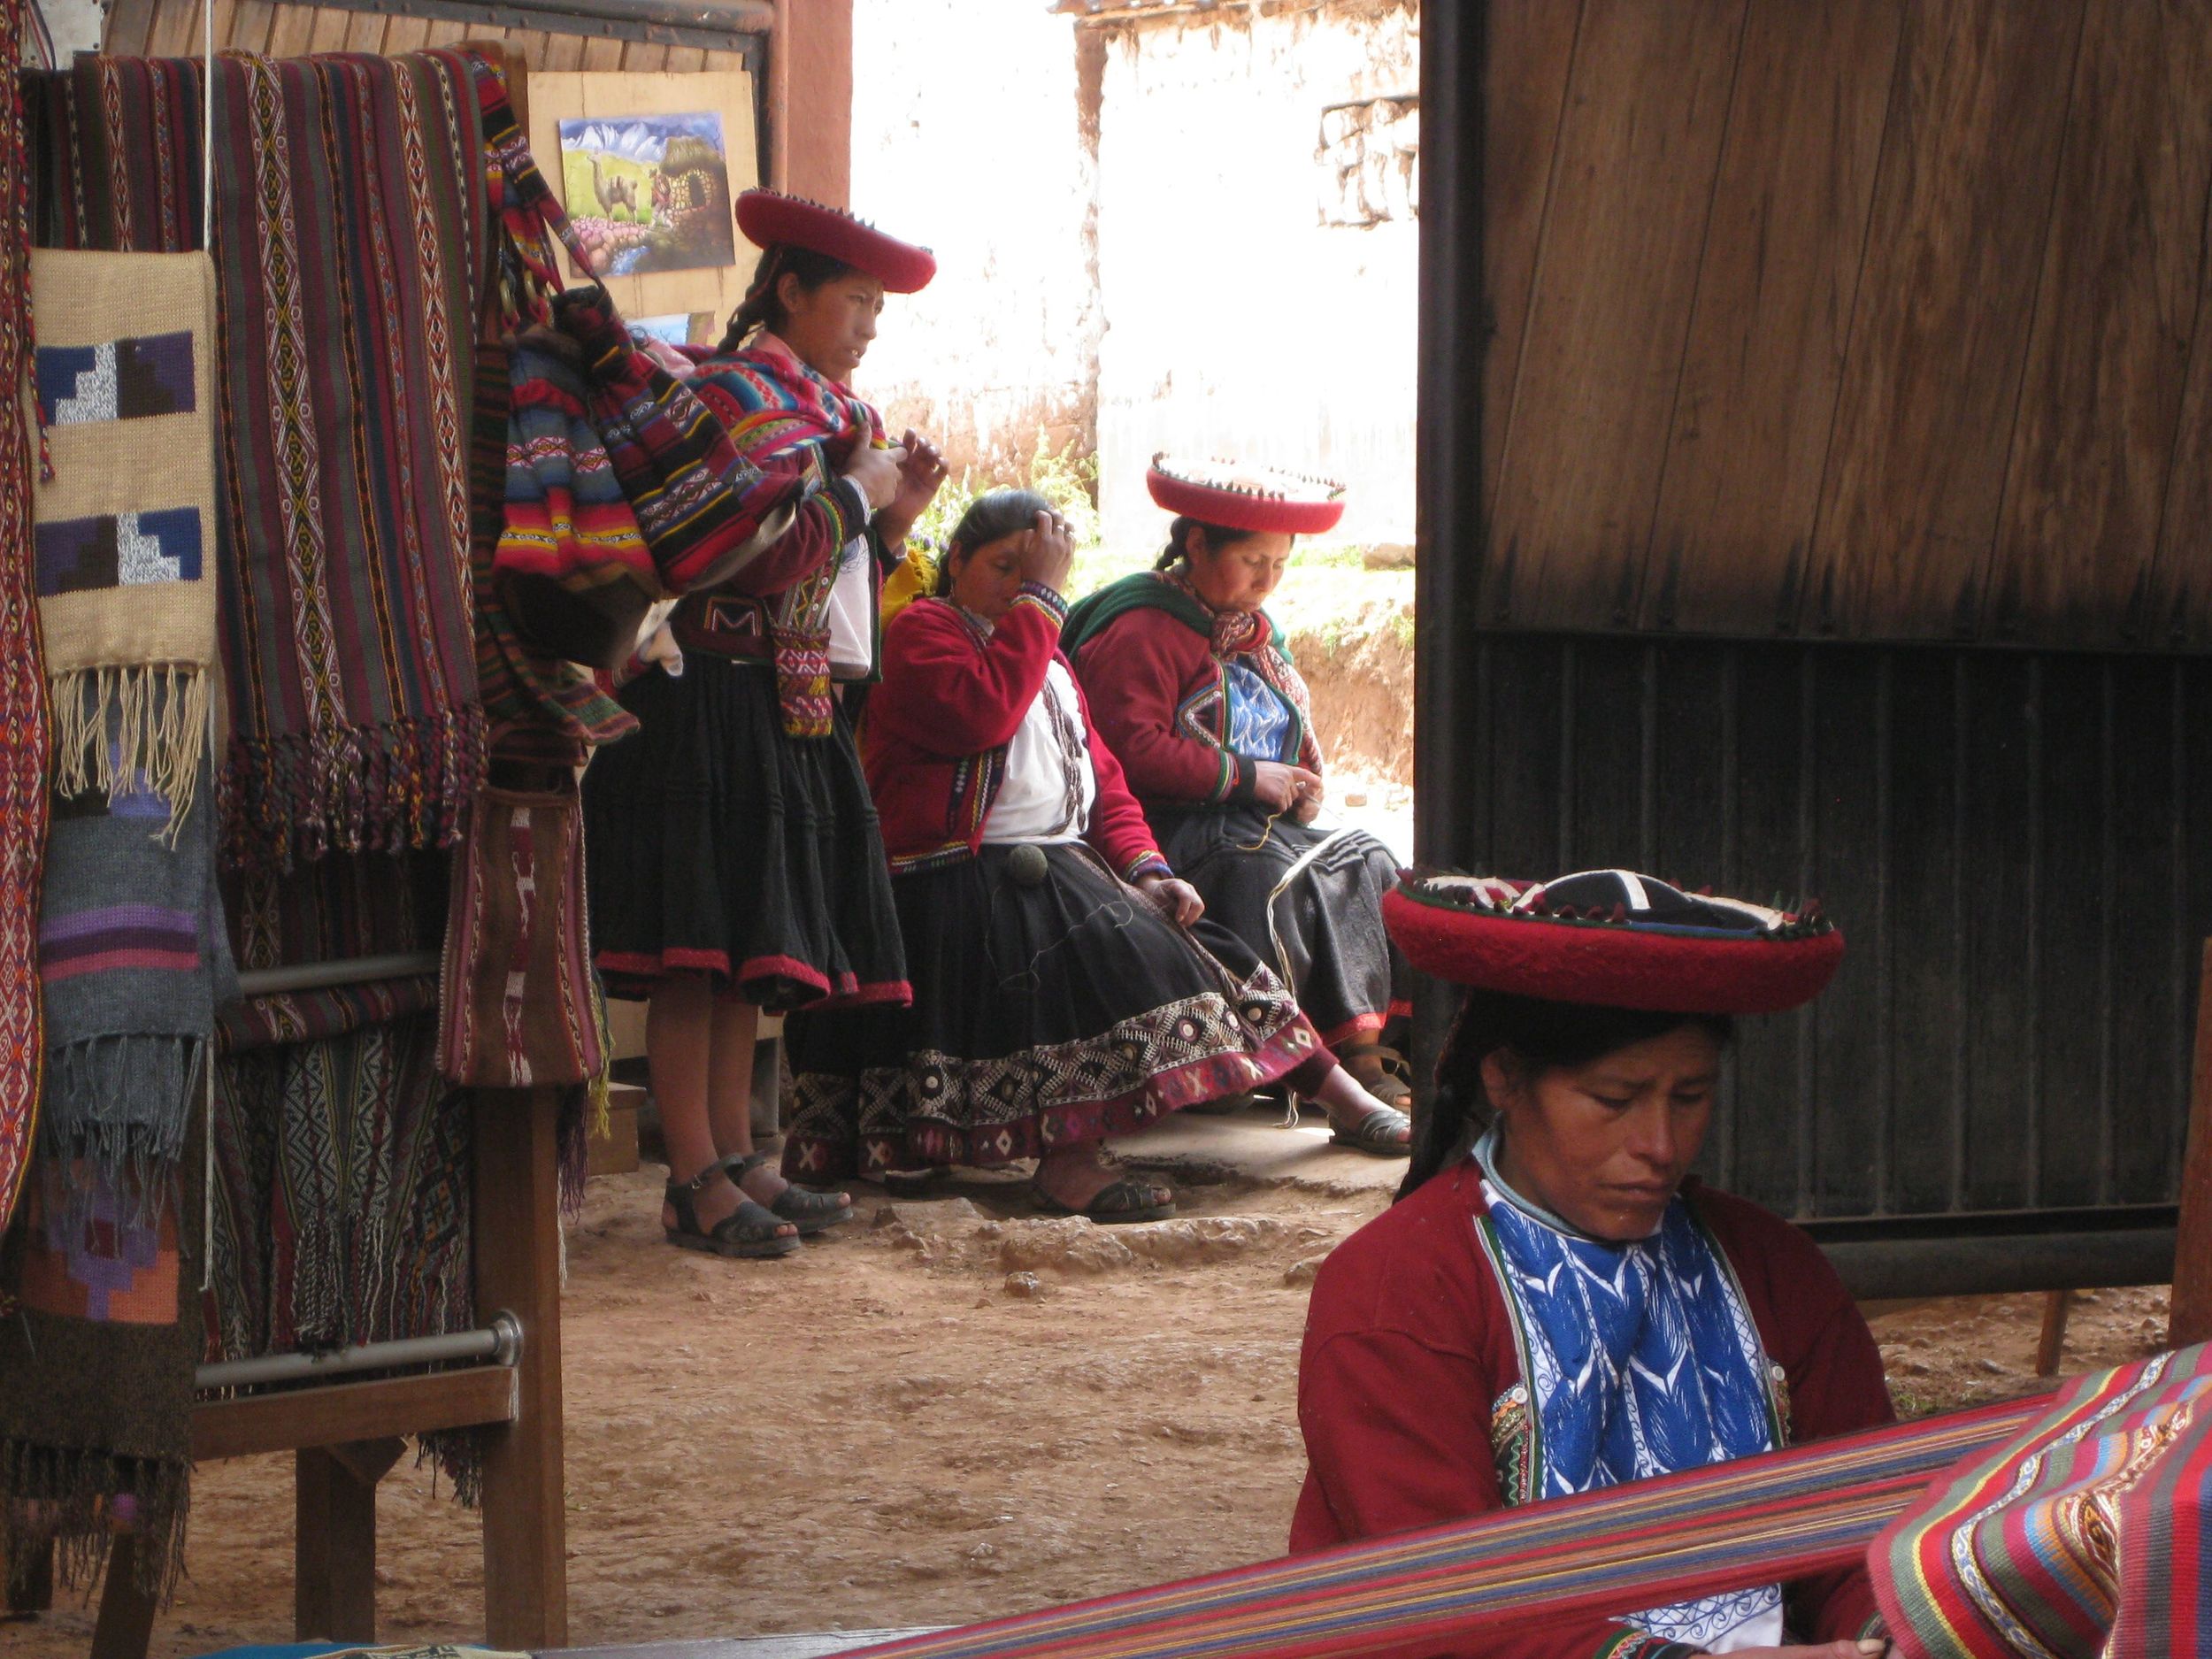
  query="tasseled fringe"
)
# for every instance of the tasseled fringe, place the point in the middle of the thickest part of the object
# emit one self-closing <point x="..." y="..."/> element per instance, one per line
<point x="79" y="1500"/>
<point x="402" y="786"/>
<point x="160" y="714"/>
<point x="124" y="1105"/>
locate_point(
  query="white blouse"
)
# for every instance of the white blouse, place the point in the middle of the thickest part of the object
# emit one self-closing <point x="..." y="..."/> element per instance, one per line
<point x="1049" y="787"/>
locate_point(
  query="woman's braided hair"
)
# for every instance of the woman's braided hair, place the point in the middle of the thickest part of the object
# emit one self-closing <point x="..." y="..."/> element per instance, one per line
<point x="995" y="513"/>
<point x="1218" y="537"/>
<point x="761" y="308"/>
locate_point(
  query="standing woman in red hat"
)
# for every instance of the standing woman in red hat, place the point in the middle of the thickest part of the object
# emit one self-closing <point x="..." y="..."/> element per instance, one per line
<point x="737" y="863"/>
<point x="1193" y="689"/>
<point x="1554" y="1305"/>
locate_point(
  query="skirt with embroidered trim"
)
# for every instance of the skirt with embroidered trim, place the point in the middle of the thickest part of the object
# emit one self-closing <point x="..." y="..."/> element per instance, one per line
<point x="1043" y="1015"/>
<point x="1327" y="926"/>
<point x="719" y="846"/>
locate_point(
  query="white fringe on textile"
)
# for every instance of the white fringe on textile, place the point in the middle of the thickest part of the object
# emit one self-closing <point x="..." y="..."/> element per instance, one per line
<point x="163" y="709"/>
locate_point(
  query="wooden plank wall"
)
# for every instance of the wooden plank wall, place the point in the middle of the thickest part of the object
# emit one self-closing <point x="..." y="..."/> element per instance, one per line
<point x="170" y="29"/>
<point x="1856" y="320"/>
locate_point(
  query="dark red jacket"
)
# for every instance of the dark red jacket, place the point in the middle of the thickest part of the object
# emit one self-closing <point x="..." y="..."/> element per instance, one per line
<point x="1159" y="697"/>
<point x="1409" y="1344"/>
<point x="938" y="726"/>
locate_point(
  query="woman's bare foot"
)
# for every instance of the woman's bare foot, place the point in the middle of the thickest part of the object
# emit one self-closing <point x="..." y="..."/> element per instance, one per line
<point x="1072" y="1177"/>
<point x="764" y="1184"/>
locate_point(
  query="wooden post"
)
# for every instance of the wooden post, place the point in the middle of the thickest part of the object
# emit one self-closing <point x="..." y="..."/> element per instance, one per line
<point x="126" y="1613"/>
<point x="333" y="1547"/>
<point x="32" y="1591"/>
<point x="519" y="1271"/>
<point x="811" y="100"/>
<point x="2189" y="1319"/>
<point x="2050" y="1347"/>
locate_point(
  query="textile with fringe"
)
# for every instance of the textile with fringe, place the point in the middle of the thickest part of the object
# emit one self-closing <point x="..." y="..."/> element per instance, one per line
<point x="350" y="215"/>
<point x="2085" y="1537"/>
<point x="538" y="708"/>
<point x="24" y="741"/>
<point x="125" y="520"/>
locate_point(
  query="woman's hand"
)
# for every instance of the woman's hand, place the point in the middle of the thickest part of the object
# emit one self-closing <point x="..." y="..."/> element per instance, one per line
<point x="1177" y="899"/>
<point x="878" y="474"/>
<point x="920" y="474"/>
<point x="1288" y="789"/>
<point x="1047" y="553"/>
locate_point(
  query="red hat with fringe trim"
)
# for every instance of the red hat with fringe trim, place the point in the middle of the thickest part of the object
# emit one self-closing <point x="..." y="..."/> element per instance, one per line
<point x="770" y="219"/>
<point x="1256" y="498"/>
<point x="1613" y="939"/>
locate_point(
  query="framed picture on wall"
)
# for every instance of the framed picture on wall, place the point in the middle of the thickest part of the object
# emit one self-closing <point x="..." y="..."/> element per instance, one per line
<point x="647" y="166"/>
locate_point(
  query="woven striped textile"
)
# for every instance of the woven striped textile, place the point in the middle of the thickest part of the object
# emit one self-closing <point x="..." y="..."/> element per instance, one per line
<point x="1756" y="1521"/>
<point x="2085" y="1537"/>
<point x="351" y="252"/>
<point x="24" y="740"/>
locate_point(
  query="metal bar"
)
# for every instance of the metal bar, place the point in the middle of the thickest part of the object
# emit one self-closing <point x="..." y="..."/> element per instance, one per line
<point x="323" y="976"/>
<point x="500" y="1343"/>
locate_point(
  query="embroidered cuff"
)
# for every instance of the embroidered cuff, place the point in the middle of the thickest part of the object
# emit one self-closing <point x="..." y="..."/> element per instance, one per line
<point x="1636" y="1644"/>
<point x="847" y="504"/>
<point x="1240" y="778"/>
<point x="1047" y="601"/>
<point x="1147" y="864"/>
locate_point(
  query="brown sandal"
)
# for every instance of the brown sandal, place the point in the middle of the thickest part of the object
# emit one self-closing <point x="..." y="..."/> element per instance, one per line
<point x="1380" y="1069"/>
<point x="1114" y="1204"/>
<point x="750" y="1231"/>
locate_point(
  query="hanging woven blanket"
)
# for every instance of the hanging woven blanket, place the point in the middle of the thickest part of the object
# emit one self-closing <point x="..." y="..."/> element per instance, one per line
<point x="23" y="734"/>
<point x="352" y="251"/>
<point x="2084" y="1537"/>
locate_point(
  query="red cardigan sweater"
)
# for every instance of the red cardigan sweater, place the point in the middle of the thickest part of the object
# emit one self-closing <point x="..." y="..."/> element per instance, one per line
<point x="937" y="727"/>
<point x="1408" y="1343"/>
<point x="1160" y="700"/>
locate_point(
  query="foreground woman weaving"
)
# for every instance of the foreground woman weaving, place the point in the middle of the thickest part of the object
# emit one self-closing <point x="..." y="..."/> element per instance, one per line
<point x="1197" y="694"/>
<point x="1553" y="1305"/>
<point x="1061" y="996"/>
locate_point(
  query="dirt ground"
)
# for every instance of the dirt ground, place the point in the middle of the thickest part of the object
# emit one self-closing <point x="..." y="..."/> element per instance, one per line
<point x="897" y="1427"/>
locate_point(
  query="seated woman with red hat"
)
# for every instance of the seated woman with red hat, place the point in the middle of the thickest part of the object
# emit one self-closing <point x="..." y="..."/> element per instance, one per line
<point x="736" y="862"/>
<point x="1196" y="692"/>
<point x="1064" y="989"/>
<point x="1554" y="1304"/>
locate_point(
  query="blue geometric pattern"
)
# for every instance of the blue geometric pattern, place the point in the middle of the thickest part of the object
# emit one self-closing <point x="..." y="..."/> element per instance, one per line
<point x="1642" y="1361"/>
<point x="125" y="550"/>
<point x="121" y="379"/>
<point x="1259" y="719"/>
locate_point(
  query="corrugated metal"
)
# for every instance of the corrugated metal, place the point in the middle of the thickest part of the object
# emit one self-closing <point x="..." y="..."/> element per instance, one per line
<point x="2018" y="846"/>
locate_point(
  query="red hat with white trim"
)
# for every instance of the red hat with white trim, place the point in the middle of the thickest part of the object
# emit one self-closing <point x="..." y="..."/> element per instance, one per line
<point x="1261" y="499"/>
<point x="1613" y="939"/>
<point x="771" y="219"/>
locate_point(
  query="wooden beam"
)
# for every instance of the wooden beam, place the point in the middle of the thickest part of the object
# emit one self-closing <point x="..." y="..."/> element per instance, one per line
<point x="2190" y="1319"/>
<point x="126" y="1612"/>
<point x="519" y="1271"/>
<point x="811" y="100"/>
<point x="333" y="1549"/>
<point x="2050" y="1346"/>
<point x="334" y="1413"/>
<point x="32" y="1589"/>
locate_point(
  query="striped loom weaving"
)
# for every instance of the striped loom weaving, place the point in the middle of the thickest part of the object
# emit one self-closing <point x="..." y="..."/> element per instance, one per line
<point x="1760" y="1520"/>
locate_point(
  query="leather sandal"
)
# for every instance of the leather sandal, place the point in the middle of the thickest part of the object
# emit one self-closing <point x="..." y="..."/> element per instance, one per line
<point x="749" y="1232"/>
<point x="1113" y="1205"/>
<point x="810" y="1212"/>
<point x="1384" y="1133"/>
<point x="1381" y="1070"/>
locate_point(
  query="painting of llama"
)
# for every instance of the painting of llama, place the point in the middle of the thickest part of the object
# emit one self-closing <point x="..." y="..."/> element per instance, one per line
<point x="648" y="193"/>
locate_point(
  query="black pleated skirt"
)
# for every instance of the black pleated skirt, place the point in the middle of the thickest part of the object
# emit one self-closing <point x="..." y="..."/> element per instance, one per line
<point x="1043" y="1015"/>
<point x="719" y="845"/>
<point x="1327" y="926"/>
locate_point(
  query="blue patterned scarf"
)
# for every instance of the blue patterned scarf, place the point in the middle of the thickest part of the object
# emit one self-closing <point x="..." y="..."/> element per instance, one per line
<point x="1640" y="1360"/>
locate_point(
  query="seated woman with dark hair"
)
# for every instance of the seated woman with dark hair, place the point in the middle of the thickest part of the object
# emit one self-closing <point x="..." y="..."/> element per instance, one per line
<point x="1063" y="992"/>
<point x="1197" y="694"/>
<point x="1554" y="1304"/>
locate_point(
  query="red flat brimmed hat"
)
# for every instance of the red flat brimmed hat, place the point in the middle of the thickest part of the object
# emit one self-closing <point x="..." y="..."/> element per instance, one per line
<point x="771" y="219"/>
<point x="1613" y="939"/>
<point x="1256" y="498"/>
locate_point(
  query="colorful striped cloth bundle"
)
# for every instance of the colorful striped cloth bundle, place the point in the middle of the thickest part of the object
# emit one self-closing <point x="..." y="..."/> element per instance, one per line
<point x="2087" y="1537"/>
<point x="1757" y="1520"/>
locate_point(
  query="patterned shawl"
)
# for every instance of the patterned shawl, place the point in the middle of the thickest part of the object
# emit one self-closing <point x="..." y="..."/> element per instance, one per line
<point x="349" y="209"/>
<point x="1249" y="635"/>
<point x="23" y="729"/>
